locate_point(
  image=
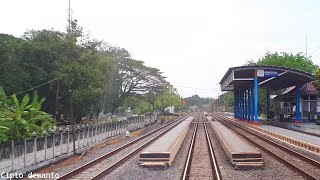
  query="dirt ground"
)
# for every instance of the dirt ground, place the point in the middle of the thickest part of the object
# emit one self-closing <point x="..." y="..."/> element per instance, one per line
<point x="75" y="159"/>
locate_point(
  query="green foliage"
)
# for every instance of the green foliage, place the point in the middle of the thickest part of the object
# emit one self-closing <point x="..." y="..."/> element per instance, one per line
<point x="40" y="56"/>
<point x="283" y="59"/>
<point x="168" y="99"/>
<point x="143" y="104"/>
<point x="198" y="101"/>
<point x="129" y="78"/>
<point x="226" y="99"/>
<point x="98" y="74"/>
<point x="19" y="119"/>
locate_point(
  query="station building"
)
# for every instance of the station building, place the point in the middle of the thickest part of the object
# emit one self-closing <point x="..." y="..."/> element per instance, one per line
<point x="245" y="81"/>
<point x="309" y="103"/>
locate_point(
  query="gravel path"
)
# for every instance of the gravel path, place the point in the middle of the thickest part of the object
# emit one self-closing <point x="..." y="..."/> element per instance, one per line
<point x="131" y="169"/>
<point x="200" y="164"/>
<point x="272" y="169"/>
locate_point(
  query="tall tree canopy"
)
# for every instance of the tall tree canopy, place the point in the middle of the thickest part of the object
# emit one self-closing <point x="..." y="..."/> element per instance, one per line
<point x="198" y="101"/>
<point x="283" y="59"/>
<point x="71" y="66"/>
<point x="130" y="77"/>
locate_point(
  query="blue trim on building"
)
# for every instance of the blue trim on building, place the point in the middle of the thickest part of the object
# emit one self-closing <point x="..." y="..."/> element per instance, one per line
<point x="298" y="113"/>
<point x="256" y="120"/>
<point x="252" y="103"/>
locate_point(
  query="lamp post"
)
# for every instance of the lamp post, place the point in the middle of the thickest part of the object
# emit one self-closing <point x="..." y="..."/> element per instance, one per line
<point x="72" y="123"/>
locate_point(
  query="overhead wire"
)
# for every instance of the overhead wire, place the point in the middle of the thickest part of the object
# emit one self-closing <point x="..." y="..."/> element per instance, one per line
<point x="35" y="87"/>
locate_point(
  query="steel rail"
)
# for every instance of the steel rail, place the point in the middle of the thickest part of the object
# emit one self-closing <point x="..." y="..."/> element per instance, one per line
<point x="214" y="165"/>
<point x="289" y="151"/>
<point x="213" y="162"/>
<point x="189" y="157"/>
<point x="109" y="154"/>
<point x="112" y="167"/>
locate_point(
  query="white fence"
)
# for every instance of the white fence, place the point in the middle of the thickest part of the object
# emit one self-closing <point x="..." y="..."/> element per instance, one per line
<point x="29" y="154"/>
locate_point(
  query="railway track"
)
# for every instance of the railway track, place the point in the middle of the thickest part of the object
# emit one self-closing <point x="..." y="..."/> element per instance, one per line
<point x="105" y="164"/>
<point x="305" y="166"/>
<point x="201" y="162"/>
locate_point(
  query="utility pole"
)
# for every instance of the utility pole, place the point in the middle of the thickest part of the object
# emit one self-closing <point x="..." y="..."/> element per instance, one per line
<point x="69" y="17"/>
<point x="218" y="103"/>
<point x="57" y="101"/>
<point x="306" y="45"/>
<point x="72" y="123"/>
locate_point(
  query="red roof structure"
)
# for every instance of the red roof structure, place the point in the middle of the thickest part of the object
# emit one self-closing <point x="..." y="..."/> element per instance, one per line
<point x="289" y="94"/>
<point x="309" y="89"/>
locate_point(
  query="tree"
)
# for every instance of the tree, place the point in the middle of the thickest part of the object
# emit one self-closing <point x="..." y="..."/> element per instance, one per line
<point x="132" y="78"/>
<point x="283" y="59"/>
<point x="226" y="100"/>
<point x="11" y="68"/>
<point x="198" y="101"/>
<point x="55" y="63"/>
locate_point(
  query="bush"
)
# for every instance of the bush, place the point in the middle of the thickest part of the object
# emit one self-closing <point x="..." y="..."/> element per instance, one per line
<point x="318" y="120"/>
<point x="162" y="119"/>
<point x="19" y="119"/>
<point x="263" y="115"/>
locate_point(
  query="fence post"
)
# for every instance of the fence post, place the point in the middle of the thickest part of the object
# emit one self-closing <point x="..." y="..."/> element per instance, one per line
<point x="78" y="137"/>
<point x="137" y="121"/>
<point x="53" y="143"/>
<point x="25" y="153"/>
<point x="108" y="129"/>
<point x="34" y="135"/>
<point x="104" y="130"/>
<point x="127" y="123"/>
<point x="100" y="130"/>
<point x="127" y="126"/>
<point x="12" y="156"/>
<point x="95" y="134"/>
<point x="61" y="140"/>
<point x="121" y="127"/>
<point x="45" y="144"/>
<point x="117" y="128"/>
<point x="112" y="127"/>
<point x="82" y="128"/>
<point x="87" y="135"/>
<point x="91" y="139"/>
<point x="67" y="129"/>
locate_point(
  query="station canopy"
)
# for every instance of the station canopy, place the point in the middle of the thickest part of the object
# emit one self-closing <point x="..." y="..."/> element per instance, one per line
<point x="274" y="77"/>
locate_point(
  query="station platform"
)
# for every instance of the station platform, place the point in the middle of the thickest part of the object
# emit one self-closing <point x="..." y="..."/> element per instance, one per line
<point x="294" y="134"/>
<point x="301" y="139"/>
<point x="309" y="128"/>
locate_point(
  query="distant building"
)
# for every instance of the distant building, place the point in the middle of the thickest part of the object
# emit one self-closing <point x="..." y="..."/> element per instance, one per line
<point x="169" y="109"/>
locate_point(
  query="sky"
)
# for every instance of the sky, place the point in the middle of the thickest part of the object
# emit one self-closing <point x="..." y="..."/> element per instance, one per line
<point x="192" y="42"/>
